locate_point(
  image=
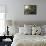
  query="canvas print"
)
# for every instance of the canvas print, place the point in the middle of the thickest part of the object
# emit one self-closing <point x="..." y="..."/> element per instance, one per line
<point x="30" y="9"/>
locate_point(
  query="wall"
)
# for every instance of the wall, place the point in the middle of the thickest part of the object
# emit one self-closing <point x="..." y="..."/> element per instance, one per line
<point x="41" y="12"/>
<point x="15" y="9"/>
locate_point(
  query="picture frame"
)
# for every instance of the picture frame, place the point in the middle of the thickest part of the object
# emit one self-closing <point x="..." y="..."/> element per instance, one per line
<point x="30" y="9"/>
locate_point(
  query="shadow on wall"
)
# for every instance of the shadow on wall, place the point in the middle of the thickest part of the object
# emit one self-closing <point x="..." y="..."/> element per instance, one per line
<point x="21" y="23"/>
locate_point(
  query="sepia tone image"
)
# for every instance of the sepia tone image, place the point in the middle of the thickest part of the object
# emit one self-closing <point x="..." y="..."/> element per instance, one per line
<point x="30" y="9"/>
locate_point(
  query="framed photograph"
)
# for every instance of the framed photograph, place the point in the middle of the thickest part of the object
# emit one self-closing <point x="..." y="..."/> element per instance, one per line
<point x="30" y="9"/>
